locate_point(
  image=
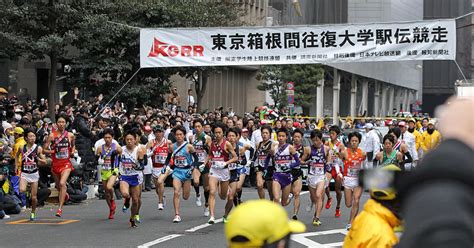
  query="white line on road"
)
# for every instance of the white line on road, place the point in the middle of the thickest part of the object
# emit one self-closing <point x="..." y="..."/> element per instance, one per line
<point x="302" y="238"/>
<point x="160" y="240"/>
<point x="202" y="226"/>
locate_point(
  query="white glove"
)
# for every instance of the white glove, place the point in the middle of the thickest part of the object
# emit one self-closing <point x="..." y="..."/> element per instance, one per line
<point x="149" y="153"/>
<point x="202" y="167"/>
<point x="100" y="161"/>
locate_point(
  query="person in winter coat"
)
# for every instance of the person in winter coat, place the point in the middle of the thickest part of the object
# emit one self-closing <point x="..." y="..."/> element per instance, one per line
<point x="84" y="136"/>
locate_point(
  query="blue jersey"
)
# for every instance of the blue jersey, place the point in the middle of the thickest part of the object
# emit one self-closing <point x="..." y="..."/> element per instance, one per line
<point x="182" y="158"/>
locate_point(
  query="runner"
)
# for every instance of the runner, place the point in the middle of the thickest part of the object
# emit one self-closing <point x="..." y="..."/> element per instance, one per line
<point x="60" y="145"/>
<point x="221" y="156"/>
<point x="353" y="158"/>
<point x="285" y="159"/>
<point x="157" y="149"/>
<point x="132" y="162"/>
<point x="235" y="168"/>
<point x="28" y="159"/>
<point x="297" y="173"/>
<point x="401" y="147"/>
<point x="336" y="147"/>
<point x="201" y="143"/>
<point x="388" y="155"/>
<point x="182" y="160"/>
<point x="263" y="148"/>
<point x="244" y="166"/>
<point x="319" y="171"/>
<point x="107" y="158"/>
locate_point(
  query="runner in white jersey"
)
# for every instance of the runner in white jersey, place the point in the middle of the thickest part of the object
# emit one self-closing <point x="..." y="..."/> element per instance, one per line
<point x="132" y="163"/>
<point x="29" y="157"/>
<point x="318" y="175"/>
<point x="201" y="143"/>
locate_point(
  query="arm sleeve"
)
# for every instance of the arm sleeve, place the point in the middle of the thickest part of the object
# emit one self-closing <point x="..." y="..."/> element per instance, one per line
<point x="195" y="159"/>
<point x="297" y="161"/>
<point x="407" y="158"/>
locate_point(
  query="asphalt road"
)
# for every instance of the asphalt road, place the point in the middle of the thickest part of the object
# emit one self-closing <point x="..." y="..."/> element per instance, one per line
<point x="92" y="228"/>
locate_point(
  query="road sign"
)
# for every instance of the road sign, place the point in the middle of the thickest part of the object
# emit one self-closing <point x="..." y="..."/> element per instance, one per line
<point x="290" y="85"/>
<point x="291" y="105"/>
<point x="291" y="99"/>
<point x="290" y="92"/>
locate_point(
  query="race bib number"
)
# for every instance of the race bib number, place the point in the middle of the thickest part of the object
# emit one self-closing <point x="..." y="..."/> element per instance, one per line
<point x="29" y="167"/>
<point x="160" y="158"/>
<point x="180" y="161"/>
<point x="261" y="160"/>
<point x="232" y="166"/>
<point x="201" y="156"/>
<point x="317" y="169"/>
<point x="353" y="172"/>
<point x="128" y="169"/>
<point x="62" y="153"/>
<point x="218" y="164"/>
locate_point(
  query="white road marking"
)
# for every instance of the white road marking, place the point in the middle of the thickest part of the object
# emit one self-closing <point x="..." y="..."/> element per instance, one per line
<point x="302" y="238"/>
<point x="203" y="226"/>
<point x="172" y="236"/>
<point x="160" y="240"/>
<point x="190" y="230"/>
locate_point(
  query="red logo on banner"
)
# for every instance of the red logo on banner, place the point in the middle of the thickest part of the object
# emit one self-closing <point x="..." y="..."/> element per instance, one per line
<point x="166" y="50"/>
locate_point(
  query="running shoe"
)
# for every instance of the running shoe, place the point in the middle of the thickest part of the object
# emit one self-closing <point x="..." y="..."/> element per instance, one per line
<point x="160" y="206"/>
<point x="132" y="223"/>
<point x="198" y="201"/>
<point x="309" y="207"/>
<point x="177" y="219"/>
<point x="137" y="218"/>
<point x="328" y="203"/>
<point x="348" y="226"/>
<point x="225" y="220"/>
<point x="338" y="213"/>
<point x="295" y="217"/>
<point x="59" y="213"/>
<point x="6" y="216"/>
<point x="316" y="221"/>
<point x="211" y="220"/>
<point x="126" y="205"/>
<point x="206" y="211"/>
<point x="32" y="217"/>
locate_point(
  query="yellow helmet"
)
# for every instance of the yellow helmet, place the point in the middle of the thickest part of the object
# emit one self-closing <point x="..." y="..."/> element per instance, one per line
<point x="259" y="222"/>
<point x="383" y="189"/>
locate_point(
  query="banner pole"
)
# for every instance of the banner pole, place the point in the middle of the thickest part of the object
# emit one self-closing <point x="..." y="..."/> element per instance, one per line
<point x="462" y="73"/>
<point x="123" y="86"/>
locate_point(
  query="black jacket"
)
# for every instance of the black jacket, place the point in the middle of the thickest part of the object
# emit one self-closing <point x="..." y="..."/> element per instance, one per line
<point x="437" y="199"/>
<point x="84" y="139"/>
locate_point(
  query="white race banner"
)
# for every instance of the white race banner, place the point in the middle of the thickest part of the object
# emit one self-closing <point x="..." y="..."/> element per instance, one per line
<point x="423" y="40"/>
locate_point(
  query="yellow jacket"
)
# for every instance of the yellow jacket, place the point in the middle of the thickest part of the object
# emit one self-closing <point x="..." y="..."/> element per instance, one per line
<point x="418" y="139"/>
<point x="19" y="143"/>
<point x="430" y="141"/>
<point x="373" y="227"/>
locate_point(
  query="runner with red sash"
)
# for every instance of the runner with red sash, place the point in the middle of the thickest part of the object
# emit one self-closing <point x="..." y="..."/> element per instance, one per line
<point x="60" y="145"/>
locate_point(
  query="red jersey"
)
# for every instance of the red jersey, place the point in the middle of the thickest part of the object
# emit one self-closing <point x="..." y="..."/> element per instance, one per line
<point x="61" y="148"/>
<point x="160" y="152"/>
<point x="218" y="152"/>
<point x="353" y="163"/>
